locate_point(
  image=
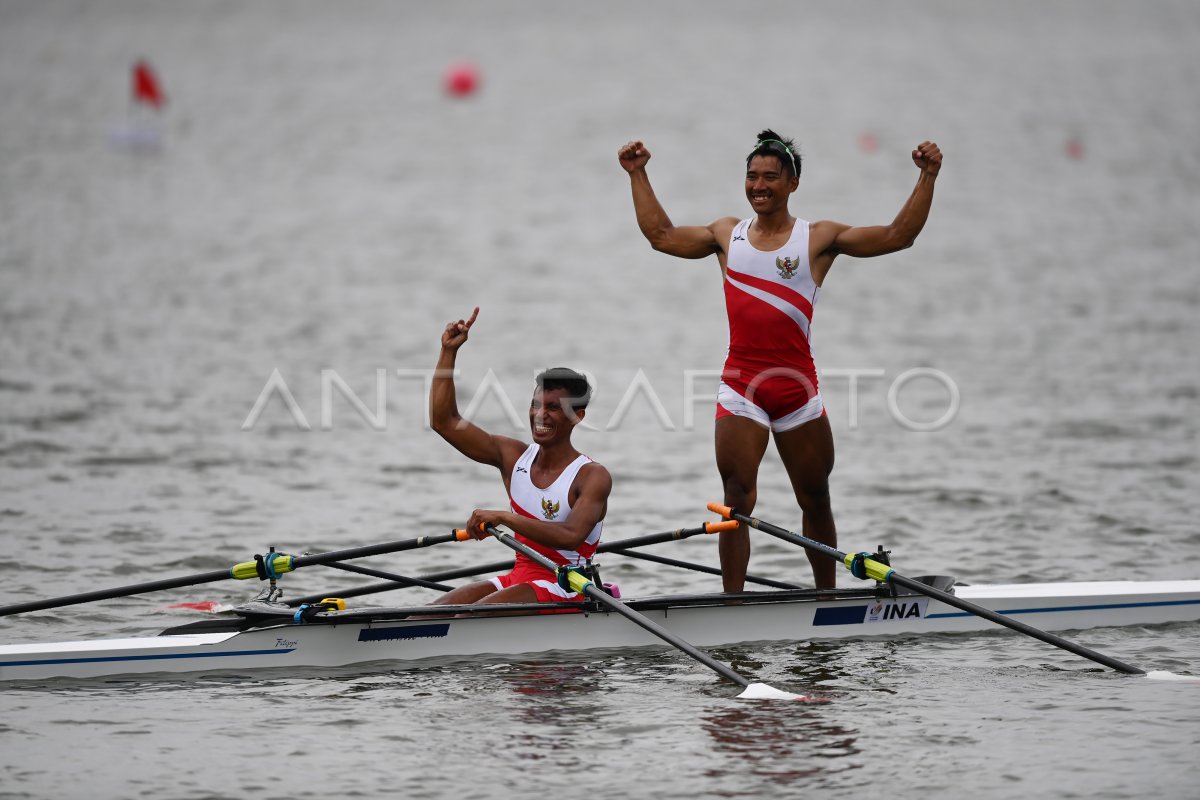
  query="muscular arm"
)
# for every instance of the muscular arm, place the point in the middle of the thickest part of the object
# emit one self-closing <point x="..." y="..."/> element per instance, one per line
<point x="835" y="239"/>
<point x="689" y="241"/>
<point x="463" y="435"/>
<point x="589" y="507"/>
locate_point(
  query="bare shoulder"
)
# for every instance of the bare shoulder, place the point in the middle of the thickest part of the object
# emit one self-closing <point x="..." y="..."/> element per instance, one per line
<point x="594" y="474"/>
<point x="510" y="450"/>
<point x="722" y="229"/>
<point x="822" y="233"/>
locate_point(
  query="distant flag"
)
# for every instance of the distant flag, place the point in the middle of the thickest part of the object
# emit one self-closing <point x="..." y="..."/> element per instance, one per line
<point x="145" y="86"/>
<point x="141" y="132"/>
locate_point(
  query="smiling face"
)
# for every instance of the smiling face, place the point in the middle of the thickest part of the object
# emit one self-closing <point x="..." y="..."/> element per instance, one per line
<point x="768" y="184"/>
<point x="550" y="418"/>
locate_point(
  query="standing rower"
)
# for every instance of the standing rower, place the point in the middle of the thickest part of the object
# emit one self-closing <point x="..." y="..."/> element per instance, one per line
<point x="773" y="265"/>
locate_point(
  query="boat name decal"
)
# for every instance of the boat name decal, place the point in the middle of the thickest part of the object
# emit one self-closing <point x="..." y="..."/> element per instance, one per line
<point x="882" y="610"/>
<point x="284" y="643"/>
<point x="404" y="632"/>
<point x="878" y="611"/>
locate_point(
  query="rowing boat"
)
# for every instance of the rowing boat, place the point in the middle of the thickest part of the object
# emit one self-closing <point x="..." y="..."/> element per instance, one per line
<point x="265" y="635"/>
<point x="321" y="633"/>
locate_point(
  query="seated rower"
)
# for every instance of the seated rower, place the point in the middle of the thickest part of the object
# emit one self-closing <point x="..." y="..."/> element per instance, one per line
<point x="558" y="496"/>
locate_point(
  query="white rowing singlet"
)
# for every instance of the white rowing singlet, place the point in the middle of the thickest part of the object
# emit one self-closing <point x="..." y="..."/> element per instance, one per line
<point x="551" y="504"/>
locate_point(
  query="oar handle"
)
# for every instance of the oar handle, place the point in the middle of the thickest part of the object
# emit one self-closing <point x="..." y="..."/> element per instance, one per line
<point x="724" y="511"/>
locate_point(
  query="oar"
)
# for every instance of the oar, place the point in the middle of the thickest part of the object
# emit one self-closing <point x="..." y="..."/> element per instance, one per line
<point x="403" y="580"/>
<point x="671" y="562"/>
<point x="375" y="588"/>
<point x="578" y="583"/>
<point x="504" y="566"/>
<point x="667" y="536"/>
<point x="270" y="566"/>
<point x="861" y="565"/>
<point x="622" y="548"/>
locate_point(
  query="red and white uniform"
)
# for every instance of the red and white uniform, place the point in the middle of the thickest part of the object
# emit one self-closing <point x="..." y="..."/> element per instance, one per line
<point x="769" y="375"/>
<point x="551" y="504"/>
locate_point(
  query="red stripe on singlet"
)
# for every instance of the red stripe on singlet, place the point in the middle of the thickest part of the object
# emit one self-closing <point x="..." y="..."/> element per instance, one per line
<point x="782" y="292"/>
<point x="548" y="552"/>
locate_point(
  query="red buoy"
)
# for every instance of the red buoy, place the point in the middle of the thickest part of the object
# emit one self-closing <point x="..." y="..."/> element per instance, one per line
<point x="461" y="79"/>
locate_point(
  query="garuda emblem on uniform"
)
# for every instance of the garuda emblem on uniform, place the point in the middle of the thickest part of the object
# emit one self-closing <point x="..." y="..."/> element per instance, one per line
<point x="549" y="510"/>
<point x="787" y="266"/>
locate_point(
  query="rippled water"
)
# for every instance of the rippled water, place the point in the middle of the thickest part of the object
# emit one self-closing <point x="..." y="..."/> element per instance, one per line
<point x="318" y="204"/>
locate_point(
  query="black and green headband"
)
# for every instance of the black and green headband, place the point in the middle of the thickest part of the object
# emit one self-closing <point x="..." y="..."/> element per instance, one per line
<point x="778" y="147"/>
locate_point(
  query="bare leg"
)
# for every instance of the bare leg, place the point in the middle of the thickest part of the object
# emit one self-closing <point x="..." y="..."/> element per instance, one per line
<point x="807" y="454"/>
<point x="484" y="592"/>
<point x="741" y="443"/>
<point x="517" y="593"/>
<point x="465" y="595"/>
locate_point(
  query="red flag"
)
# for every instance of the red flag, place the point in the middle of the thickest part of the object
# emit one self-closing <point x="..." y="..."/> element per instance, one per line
<point x="145" y="86"/>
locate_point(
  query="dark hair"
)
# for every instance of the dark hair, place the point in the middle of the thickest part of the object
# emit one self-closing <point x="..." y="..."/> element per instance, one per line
<point x="771" y="143"/>
<point x="579" y="391"/>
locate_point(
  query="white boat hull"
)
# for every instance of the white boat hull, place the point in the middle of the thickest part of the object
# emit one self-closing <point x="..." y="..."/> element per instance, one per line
<point x="1052" y="607"/>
